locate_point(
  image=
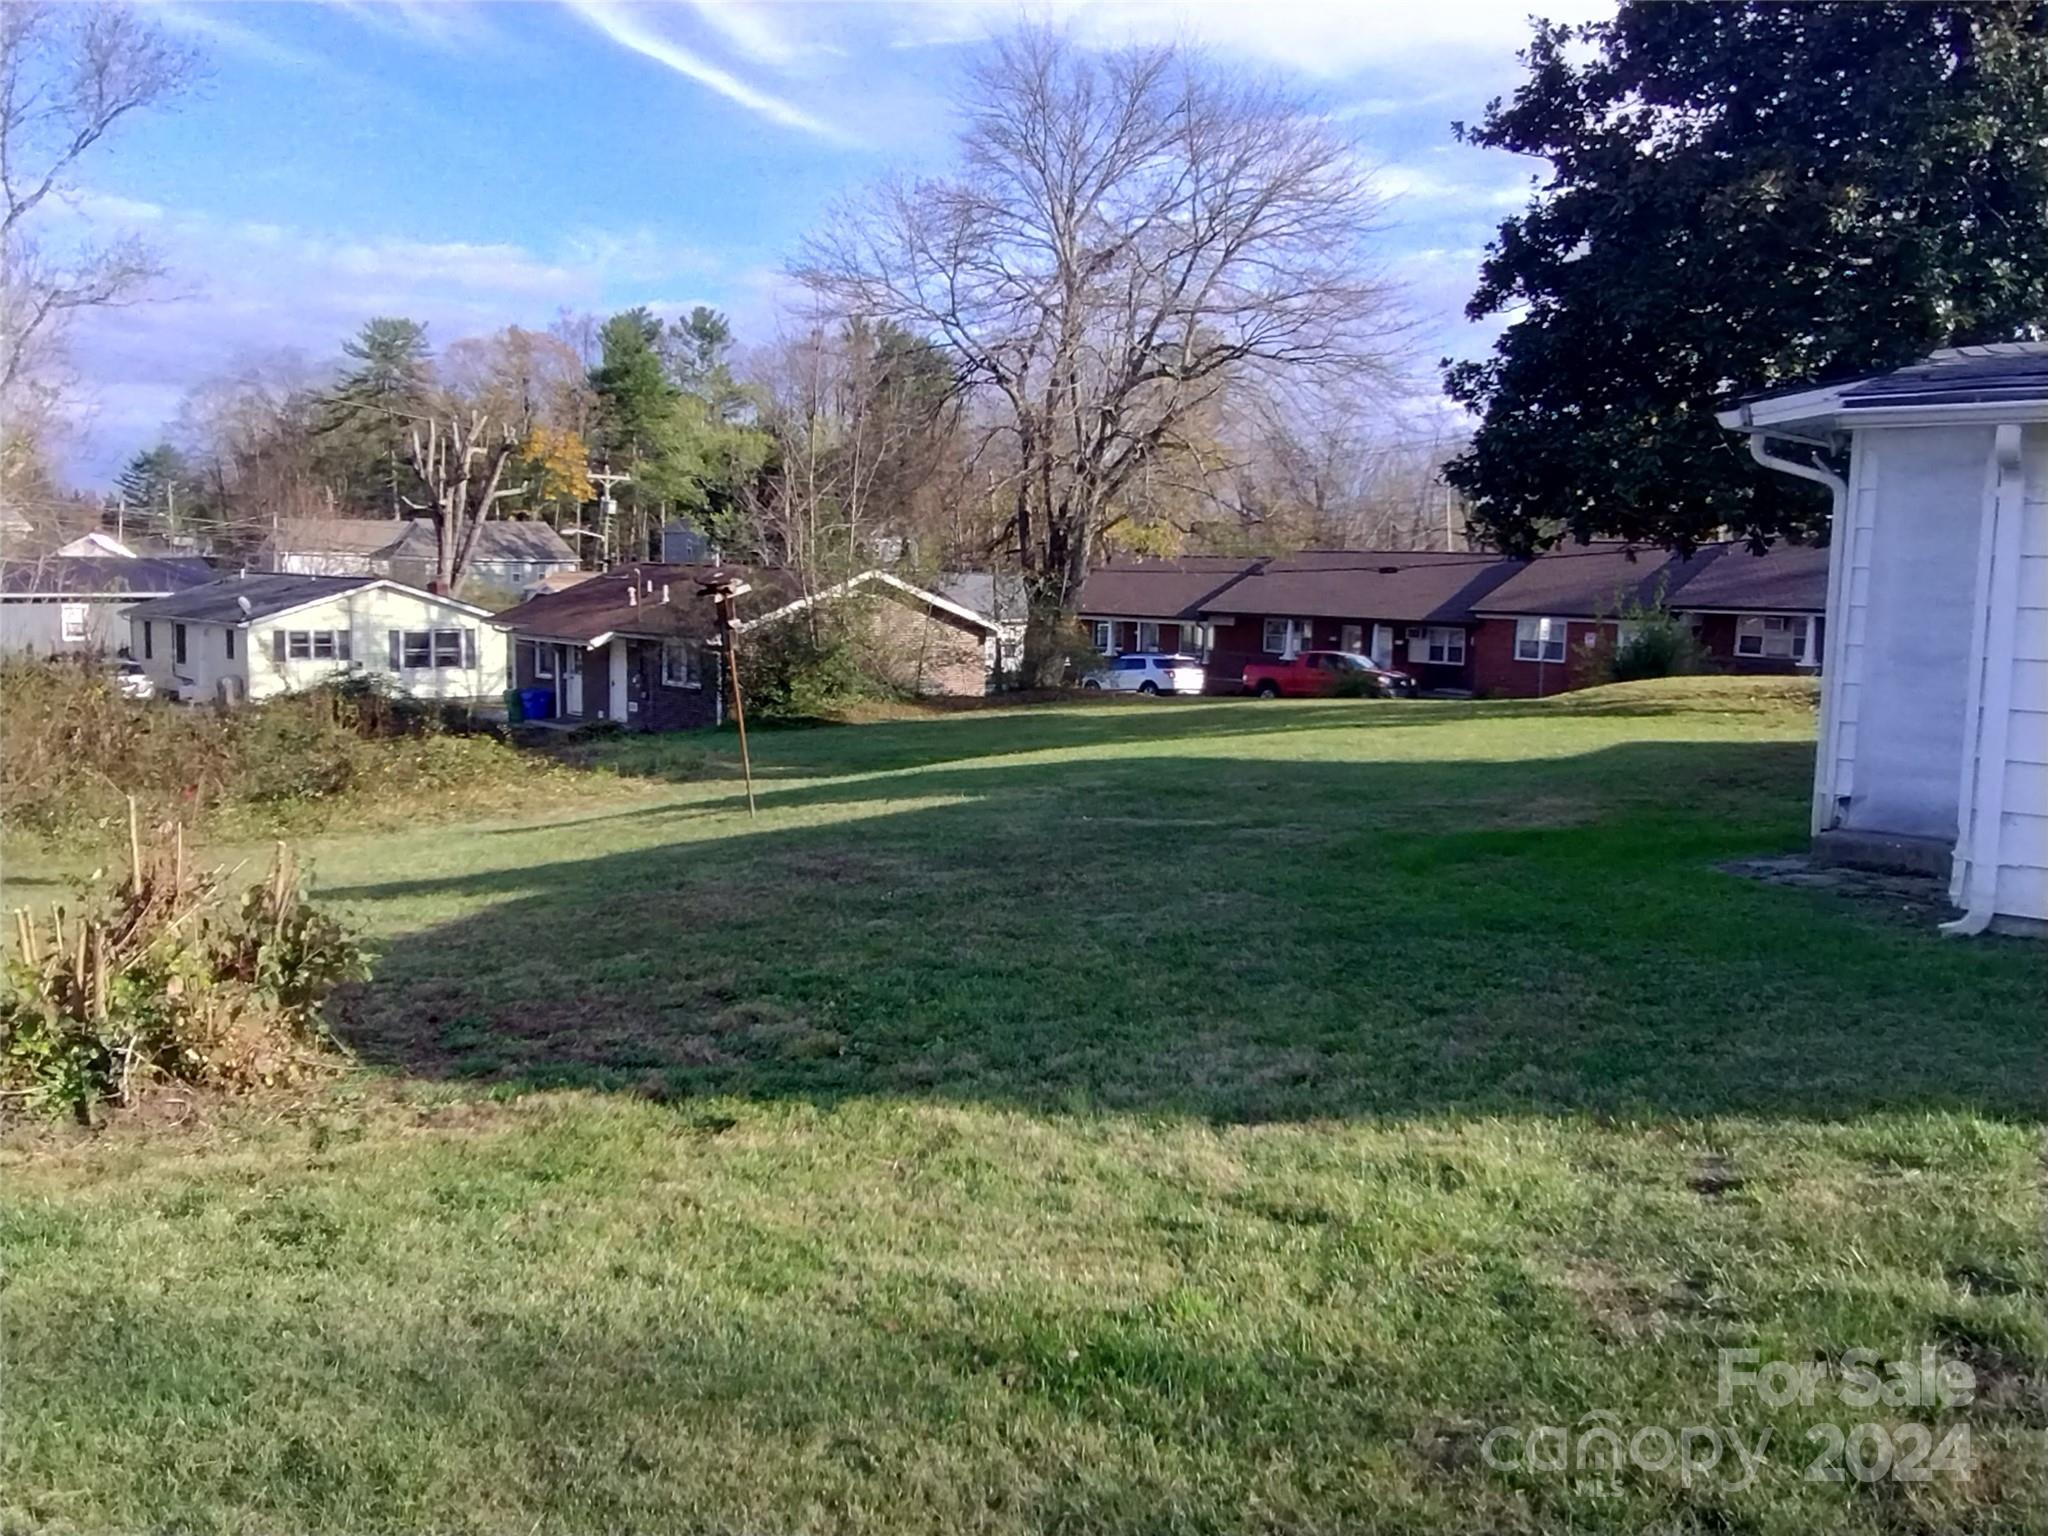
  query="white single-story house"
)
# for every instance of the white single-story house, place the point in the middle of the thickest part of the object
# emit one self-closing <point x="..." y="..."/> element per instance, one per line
<point x="1934" y="715"/>
<point x="253" y="637"/>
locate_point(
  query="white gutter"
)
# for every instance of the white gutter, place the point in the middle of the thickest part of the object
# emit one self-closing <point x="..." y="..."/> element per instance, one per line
<point x="1823" y="814"/>
<point x="1982" y="806"/>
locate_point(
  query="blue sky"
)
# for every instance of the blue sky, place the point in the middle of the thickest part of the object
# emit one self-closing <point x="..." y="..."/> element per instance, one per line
<point x="475" y="165"/>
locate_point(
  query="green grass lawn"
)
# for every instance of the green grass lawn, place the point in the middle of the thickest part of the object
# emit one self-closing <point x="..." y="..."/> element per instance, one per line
<point x="1174" y="1117"/>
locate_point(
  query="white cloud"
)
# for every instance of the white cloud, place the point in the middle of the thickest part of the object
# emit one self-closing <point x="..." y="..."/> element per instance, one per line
<point x="1325" y="39"/>
<point x="1410" y="188"/>
<point x="210" y="23"/>
<point x="752" y="28"/>
<point x="109" y="208"/>
<point x="452" y="26"/>
<point x="625" y="25"/>
<point x="242" y="289"/>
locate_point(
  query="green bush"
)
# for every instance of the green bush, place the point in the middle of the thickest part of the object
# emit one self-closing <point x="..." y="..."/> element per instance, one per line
<point x="167" y="977"/>
<point x="792" y="672"/>
<point x="1660" y="644"/>
<point x="72" y="750"/>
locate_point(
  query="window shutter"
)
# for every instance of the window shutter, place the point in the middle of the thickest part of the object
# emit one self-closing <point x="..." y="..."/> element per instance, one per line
<point x="469" y="648"/>
<point x="397" y="651"/>
<point x="277" y="646"/>
<point x="341" y="645"/>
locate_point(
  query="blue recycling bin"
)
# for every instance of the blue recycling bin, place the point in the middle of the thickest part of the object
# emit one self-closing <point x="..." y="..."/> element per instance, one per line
<point x="537" y="703"/>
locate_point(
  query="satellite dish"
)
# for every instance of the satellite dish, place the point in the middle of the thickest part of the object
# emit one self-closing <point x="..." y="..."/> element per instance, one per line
<point x="242" y="602"/>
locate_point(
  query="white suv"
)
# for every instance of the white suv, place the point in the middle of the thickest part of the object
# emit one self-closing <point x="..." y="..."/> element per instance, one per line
<point x="1143" y="673"/>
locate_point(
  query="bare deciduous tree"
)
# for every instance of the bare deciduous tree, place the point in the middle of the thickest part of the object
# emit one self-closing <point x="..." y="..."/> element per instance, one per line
<point x="1343" y="475"/>
<point x="860" y="422"/>
<point x="68" y="74"/>
<point x="1126" y="236"/>
<point x="461" y="466"/>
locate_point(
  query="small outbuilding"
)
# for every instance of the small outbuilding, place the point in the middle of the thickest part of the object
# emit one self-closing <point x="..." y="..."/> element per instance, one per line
<point x="252" y="637"/>
<point x="1934" y="718"/>
<point x="78" y="604"/>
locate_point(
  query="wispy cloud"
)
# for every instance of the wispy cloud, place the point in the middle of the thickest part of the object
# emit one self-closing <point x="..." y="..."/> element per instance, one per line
<point x="1414" y="187"/>
<point x="752" y="28"/>
<point x="209" y="23"/>
<point x="1316" y="37"/>
<point x="245" y="289"/>
<point x="448" y="25"/>
<point x="626" y="26"/>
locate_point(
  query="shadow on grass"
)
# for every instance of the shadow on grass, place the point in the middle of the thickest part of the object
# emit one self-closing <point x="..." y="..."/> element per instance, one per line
<point x="1322" y="939"/>
<point x="808" y="749"/>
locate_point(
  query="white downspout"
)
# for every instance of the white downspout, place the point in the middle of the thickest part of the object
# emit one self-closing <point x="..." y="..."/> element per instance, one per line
<point x="1983" y="805"/>
<point x="1839" y="557"/>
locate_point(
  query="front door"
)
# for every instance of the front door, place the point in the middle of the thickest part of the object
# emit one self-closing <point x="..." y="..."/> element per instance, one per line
<point x="615" y="670"/>
<point x="1383" y="645"/>
<point x="572" y="681"/>
<point x="1353" y="639"/>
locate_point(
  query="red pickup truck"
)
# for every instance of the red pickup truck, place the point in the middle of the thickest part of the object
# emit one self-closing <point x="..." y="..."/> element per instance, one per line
<point x="1310" y="674"/>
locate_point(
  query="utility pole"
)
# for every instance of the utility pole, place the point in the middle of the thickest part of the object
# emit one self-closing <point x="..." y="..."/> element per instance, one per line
<point x="607" y="509"/>
<point x="724" y="590"/>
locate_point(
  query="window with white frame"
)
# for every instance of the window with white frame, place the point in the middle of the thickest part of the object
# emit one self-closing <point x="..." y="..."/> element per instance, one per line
<point x="1148" y="635"/>
<point x="681" y="665"/>
<point x="1441" y="645"/>
<point x="308" y="645"/>
<point x="1102" y="635"/>
<point x="1285" y="635"/>
<point x="1539" y="639"/>
<point x="417" y="650"/>
<point x="543" y="661"/>
<point x="72" y="621"/>
<point x="1772" y="636"/>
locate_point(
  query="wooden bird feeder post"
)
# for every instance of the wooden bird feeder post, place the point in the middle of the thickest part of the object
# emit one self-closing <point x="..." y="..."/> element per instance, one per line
<point x="725" y="591"/>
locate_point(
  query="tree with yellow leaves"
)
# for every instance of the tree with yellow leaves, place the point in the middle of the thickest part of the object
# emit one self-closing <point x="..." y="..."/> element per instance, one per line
<point x="557" y="466"/>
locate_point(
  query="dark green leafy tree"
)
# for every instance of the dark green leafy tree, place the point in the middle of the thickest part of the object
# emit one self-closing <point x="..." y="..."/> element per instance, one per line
<point x="383" y="394"/>
<point x="151" y="483"/>
<point x="1742" y="196"/>
<point x="632" y="428"/>
<point x="164" y="492"/>
<point x="671" y="414"/>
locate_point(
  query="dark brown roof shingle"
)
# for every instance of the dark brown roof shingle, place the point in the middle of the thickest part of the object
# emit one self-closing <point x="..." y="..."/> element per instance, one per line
<point x="1786" y="578"/>
<point x="1405" y="586"/>
<point x="1159" y="589"/>
<point x="650" y="601"/>
<point x="1590" y="581"/>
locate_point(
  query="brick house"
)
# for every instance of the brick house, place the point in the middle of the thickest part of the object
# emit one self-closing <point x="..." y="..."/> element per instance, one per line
<point x="1155" y="605"/>
<point x="1542" y="631"/>
<point x="1759" y="613"/>
<point x="1411" y="610"/>
<point x="639" y="645"/>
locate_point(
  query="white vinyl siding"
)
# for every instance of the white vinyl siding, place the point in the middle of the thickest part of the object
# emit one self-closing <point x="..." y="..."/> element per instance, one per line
<point x="2021" y="884"/>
